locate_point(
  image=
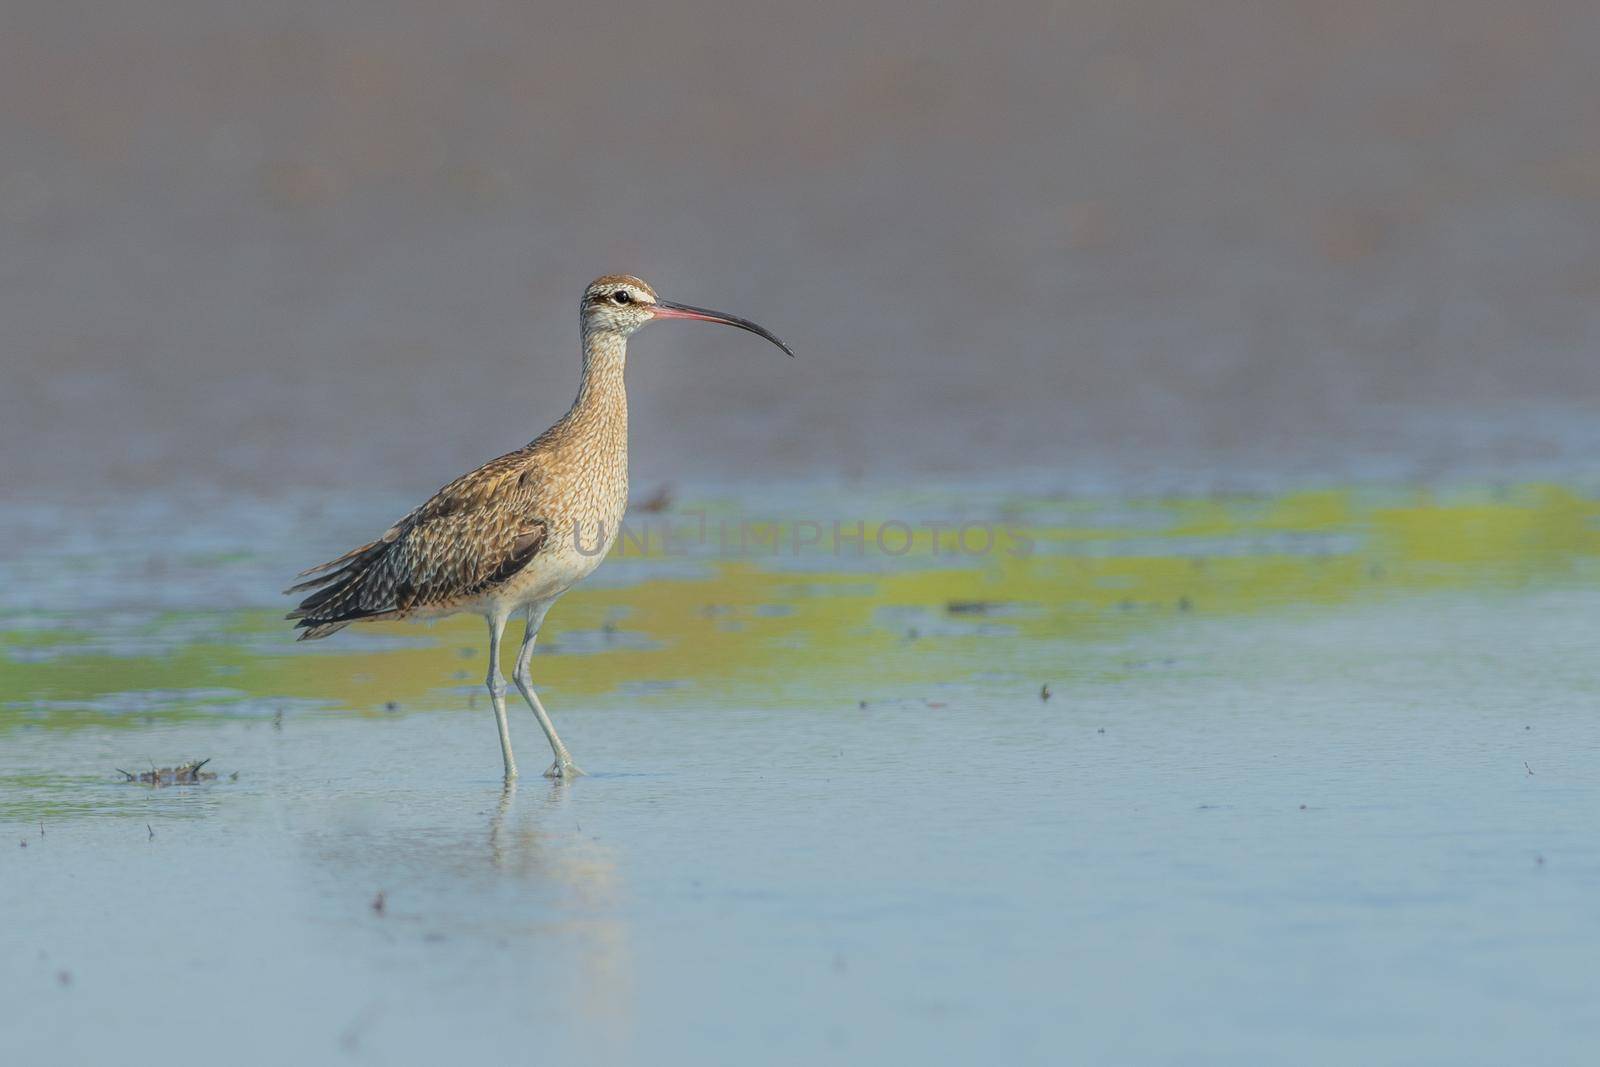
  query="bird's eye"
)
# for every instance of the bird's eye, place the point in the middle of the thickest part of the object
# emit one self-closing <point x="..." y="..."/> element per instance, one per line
<point x="621" y="296"/>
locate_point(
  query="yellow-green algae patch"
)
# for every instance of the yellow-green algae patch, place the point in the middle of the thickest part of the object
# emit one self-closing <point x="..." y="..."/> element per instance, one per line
<point x="835" y="622"/>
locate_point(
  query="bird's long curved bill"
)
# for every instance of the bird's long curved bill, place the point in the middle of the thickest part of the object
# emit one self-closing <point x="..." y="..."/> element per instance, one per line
<point x="666" y="309"/>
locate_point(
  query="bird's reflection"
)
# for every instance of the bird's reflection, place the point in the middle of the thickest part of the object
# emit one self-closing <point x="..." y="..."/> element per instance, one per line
<point x="547" y="845"/>
<point x="549" y="839"/>
<point x="528" y="880"/>
<point x="497" y="824"/>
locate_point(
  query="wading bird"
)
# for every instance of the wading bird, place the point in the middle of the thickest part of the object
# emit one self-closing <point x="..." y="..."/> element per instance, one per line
<point x="519" y="531"/>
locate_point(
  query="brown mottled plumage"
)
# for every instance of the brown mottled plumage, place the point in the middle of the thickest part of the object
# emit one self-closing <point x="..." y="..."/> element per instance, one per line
<point x="519" y="531"/>
<point x="474" y="534"/>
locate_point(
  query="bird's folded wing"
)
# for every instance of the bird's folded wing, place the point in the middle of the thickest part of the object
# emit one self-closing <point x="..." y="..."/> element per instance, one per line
<point x="473" y="534"/>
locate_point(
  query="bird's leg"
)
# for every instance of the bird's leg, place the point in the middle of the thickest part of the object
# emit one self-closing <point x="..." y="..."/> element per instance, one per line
<point x="497" y="693"/>
<point x="563" y="767"/>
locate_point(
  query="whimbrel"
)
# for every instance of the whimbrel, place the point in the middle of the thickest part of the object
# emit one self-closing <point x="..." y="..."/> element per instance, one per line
<point x="519" y="531"/>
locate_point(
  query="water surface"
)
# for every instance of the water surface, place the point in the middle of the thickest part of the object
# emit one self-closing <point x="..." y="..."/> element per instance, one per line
<point x="1312" y="782"/>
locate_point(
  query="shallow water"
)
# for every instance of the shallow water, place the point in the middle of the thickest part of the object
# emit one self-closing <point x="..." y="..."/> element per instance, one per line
<point x="1313" y="782"/>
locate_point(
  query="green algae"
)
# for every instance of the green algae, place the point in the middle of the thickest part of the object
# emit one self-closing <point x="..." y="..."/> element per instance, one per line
<point x="1061" y="582"/>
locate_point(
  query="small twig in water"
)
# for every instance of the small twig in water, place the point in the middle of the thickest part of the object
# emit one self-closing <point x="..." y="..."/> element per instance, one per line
<point x="1530" y="769"/>
<point x="152" y="831"/>
<point x="183" y="774"/>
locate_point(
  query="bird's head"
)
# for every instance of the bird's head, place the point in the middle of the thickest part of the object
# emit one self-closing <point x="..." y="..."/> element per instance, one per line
<point x="621" y="303"/>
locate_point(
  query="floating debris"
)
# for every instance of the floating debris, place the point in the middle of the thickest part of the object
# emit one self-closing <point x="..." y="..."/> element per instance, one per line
<point x="658" y="502"/>
<point x="185" y="774"/>
<point x="1044" y="691"/>
<point x="378" y="903"/>
<point x="972" y="607"/>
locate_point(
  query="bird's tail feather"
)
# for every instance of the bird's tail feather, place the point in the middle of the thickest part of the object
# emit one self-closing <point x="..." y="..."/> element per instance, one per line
<point x="332" y="563"/>
<point x="313" y="633"/>
<point x="352" y="592"/>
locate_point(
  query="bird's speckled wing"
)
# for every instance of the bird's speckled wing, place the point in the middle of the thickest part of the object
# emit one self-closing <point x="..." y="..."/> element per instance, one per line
<point x="473" y="534"/>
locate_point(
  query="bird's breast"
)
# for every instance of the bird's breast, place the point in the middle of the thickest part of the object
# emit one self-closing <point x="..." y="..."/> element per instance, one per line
<point x="585" y="498"/>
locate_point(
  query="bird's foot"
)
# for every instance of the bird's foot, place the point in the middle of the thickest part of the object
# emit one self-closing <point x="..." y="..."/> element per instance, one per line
<point x="563" y="767"/>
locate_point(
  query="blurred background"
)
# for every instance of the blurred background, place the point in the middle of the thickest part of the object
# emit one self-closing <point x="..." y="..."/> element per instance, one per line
<point x="300" y="244"/>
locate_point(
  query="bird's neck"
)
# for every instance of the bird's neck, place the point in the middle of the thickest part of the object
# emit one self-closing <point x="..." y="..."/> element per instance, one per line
<point x="603" y="397"/>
